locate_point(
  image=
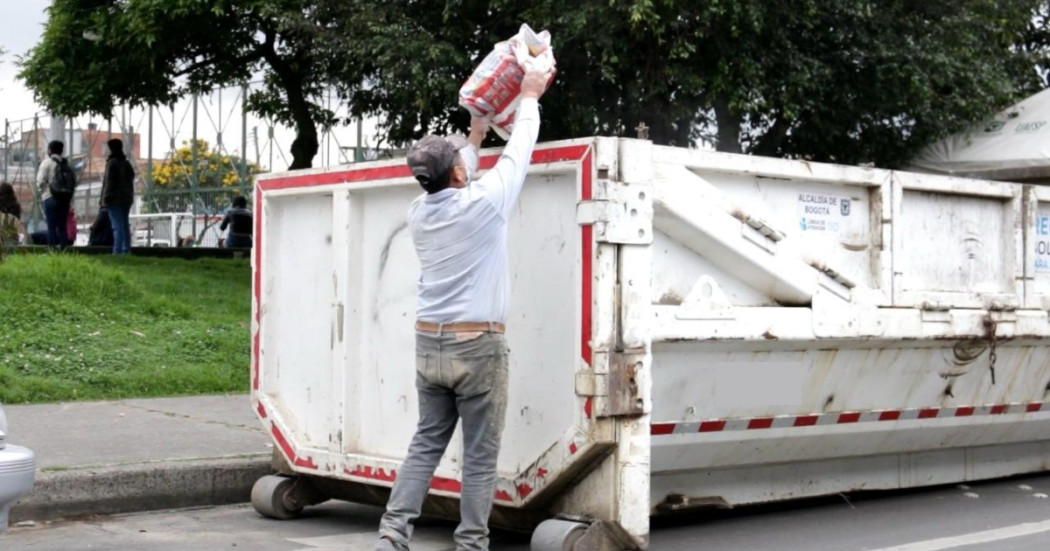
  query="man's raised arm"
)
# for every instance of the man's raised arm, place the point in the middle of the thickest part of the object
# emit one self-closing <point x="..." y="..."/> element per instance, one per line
<point x="503" y="185"/>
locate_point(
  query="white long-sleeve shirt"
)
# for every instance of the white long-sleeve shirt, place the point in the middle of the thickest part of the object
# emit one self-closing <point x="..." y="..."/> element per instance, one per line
<point x="461" y="235"/>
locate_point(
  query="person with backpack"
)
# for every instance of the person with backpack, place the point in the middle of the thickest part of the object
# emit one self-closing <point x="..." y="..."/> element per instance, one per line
<point x="57" y="181"/>
<point x="118" y="194"/>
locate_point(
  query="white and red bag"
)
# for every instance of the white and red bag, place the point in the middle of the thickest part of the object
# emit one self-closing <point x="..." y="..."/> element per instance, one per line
<point x="493" y="91"/>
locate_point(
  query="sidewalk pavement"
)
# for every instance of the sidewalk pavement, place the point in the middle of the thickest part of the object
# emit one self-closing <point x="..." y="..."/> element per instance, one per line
<point x="138" y="455"/>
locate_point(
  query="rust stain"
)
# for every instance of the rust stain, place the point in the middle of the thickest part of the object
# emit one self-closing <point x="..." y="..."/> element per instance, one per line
<point x="769" y="336"/>
<point x="670" y="298"/>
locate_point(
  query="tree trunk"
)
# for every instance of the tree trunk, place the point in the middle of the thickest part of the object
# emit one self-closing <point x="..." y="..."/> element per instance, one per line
<point x="306" y="143"/>
<point x="770" y="143"/>
<point x="729" y="123"/>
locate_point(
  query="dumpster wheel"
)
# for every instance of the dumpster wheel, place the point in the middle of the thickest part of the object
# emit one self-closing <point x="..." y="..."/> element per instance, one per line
<point x="557" y="535"/>
<point x="276" y="497"/>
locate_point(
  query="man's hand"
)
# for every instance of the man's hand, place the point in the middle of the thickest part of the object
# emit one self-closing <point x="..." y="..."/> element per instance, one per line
<point x="535" y="82"/>
<point x="479" y="128"/>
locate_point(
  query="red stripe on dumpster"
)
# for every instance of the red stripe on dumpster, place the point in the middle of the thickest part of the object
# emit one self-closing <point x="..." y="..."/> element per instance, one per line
<point x="889" y="415"/>
<point x="849" y="417"/>
<point x="760" y="423"/>
<point x="812" y="419"/>
<point x="337" y="177"/>
<point x="660" y="429"/>
<point x="292" y="180"/>
<point x="446" y="485"/>
<point x="365" y="471"/>
<point x="712" y="426"/>
<point x="523" y="489"/>
<point x="806" y="420"/>
<point x="255" y="360"/>
<point x="438" y="483"/>
<point x="929" y="413"/>
<point x="261" y="410"/>
<point x="587" y="254"/>
<point x="257" y="287"/>
<point x="306" y="463"/>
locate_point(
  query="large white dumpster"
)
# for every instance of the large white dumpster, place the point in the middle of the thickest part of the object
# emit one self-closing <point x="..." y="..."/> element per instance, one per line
<point x="688" y="329"/>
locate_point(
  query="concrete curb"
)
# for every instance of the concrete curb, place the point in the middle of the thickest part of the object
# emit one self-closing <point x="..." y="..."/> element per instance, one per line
<point x="141" y="487"/>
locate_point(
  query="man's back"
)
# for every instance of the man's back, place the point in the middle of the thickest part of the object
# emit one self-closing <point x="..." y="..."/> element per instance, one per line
<point x="460" y="236"/>
<point x="239" y="220"/>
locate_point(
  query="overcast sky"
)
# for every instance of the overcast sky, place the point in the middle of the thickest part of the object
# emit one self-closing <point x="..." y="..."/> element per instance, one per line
<point x="20" y="29"/>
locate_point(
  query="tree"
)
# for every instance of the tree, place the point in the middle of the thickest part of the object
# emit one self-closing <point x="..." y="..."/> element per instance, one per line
<point x="850" y="81"/>
<point x="98" y="53"/>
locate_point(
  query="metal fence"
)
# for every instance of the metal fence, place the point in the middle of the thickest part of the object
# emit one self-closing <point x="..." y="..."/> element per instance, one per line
<point x="240" y="143"/>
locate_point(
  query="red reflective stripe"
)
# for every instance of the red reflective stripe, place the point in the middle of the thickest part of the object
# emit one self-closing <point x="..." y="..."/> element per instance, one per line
<point x="587" y="253"/>
<point x="659" y="429"/>
<point x="806" y="420"/>
<point x="446" y="484"/>
<point x="717" y="425"/>
<point x="760" y="423"/>
<point x="928" y="413"/>
<point x="337" y="177"/>
<point x="257" y="291"/>
<point x="849" y="417"/>
<point x="712" y="426"/>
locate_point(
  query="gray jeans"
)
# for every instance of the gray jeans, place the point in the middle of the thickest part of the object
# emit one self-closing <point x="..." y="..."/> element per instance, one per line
<point x="458" y="377"/>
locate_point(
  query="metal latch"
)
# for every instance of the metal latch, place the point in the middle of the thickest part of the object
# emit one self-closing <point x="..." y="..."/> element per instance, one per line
<point x="618" y="388"/>
<point x="622" y="384"/>
<point x="622" y="214"/>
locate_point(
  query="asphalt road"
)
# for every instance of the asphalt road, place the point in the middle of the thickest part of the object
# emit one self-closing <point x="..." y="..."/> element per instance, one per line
<point x="1007" y="515"/>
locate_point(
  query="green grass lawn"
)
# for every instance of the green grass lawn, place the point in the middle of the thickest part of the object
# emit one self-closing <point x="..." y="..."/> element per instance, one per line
<point x="78" y="327"/>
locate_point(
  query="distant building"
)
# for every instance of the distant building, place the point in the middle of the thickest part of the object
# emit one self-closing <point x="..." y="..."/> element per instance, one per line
<point x="87" y="153"/>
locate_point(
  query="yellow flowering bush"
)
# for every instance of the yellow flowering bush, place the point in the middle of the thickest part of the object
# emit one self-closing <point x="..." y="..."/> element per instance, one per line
<point x="214" y="169"/>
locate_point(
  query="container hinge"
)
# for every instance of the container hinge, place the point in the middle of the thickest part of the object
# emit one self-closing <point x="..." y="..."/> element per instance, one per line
<point x="623" y="398"/>
<point x="624" y="216"/>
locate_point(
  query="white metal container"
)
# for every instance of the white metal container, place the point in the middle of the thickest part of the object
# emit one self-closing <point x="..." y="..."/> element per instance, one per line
<point x="688" y="329"/>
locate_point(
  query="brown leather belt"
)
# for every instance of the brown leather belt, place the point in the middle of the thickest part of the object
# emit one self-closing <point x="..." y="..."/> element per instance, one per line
<point x="461" y="327"/>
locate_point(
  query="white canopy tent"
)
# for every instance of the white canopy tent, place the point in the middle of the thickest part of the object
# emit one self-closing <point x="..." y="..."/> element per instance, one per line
<point x="1013" y="146"/>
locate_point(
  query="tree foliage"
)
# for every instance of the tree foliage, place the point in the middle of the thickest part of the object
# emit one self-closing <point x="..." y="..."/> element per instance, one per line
<point x="215" y="169"/>
<point x="217" y="177"/>
<point x="833" y="80"/>
<point x="850" y="81"/>
<point x="155" y="51"/>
